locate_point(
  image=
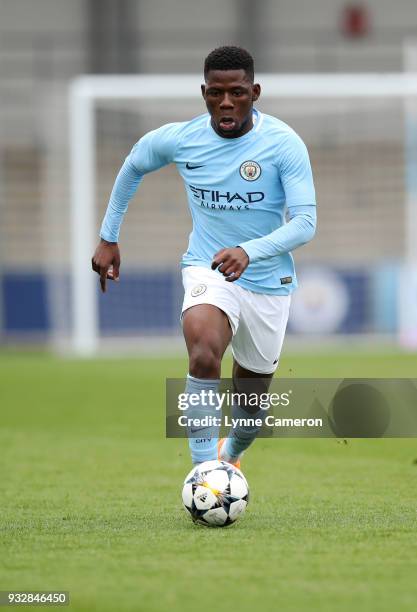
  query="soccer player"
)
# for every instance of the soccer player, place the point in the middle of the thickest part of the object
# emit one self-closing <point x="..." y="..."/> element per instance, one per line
<point x="242" y="171"/>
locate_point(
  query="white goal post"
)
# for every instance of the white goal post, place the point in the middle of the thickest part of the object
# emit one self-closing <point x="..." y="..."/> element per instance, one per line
<point x="86" y="91"/>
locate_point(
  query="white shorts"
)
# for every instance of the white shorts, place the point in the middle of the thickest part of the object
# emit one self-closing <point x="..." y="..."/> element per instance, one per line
<point x="258" y="321"/>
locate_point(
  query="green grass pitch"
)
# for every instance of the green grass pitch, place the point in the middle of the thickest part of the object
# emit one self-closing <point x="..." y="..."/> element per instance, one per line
<point x="90" y="498"/>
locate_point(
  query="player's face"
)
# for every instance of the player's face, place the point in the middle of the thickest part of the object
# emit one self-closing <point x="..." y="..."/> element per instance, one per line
<point x="229" y="97"/>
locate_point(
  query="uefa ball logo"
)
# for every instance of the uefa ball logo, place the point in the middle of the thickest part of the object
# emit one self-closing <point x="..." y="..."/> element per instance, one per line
<point x="250" y="170"/>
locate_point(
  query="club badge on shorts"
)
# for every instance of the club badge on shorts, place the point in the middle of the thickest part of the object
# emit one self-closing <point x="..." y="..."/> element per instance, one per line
<point x="198" y="290"/>
<point x="250" y="170"/>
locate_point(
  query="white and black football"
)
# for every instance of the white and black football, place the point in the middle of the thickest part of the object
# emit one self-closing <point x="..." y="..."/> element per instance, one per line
<point x="215" y="493"/>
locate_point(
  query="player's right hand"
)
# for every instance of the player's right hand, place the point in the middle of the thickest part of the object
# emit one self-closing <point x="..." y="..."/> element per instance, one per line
<point x="106" y="262"/>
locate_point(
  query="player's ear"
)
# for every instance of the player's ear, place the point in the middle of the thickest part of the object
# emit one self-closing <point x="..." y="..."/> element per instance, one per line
<point x="203" y="91"/>
<point x="256" y="91"/>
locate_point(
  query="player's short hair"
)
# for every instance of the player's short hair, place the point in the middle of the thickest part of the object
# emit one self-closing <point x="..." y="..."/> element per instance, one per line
<point x="230" y="58"/>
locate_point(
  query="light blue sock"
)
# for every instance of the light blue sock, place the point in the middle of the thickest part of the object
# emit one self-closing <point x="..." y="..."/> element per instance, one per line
<point x="202" y="448"/>
<point x="241" y="436"/>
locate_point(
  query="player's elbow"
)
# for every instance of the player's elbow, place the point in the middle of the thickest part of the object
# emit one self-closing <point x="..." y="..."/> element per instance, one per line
<point x="309" y="225"/>
<point x="311" y="229"/>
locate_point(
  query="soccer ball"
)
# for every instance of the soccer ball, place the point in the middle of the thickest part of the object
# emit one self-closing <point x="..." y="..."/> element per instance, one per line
<point x="215" y="493"/>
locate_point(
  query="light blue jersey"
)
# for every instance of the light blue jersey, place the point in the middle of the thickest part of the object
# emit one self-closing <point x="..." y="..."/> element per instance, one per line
<point x="238" y="190"/>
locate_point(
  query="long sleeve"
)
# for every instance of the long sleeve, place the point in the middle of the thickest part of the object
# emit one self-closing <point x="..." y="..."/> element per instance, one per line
<point x="155" y="150"/>
<point x="297" y="180"/>
<point x="124" y="188"/>
<point x="299" y="230"/>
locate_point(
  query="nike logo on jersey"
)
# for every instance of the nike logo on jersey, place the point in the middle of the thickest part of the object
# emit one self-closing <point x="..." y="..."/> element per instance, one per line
<point x="190" y="167"/>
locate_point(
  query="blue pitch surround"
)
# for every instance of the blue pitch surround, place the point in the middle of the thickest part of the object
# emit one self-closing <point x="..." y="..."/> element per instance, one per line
<point x="140" y="302"/>
<point x="150" y="302"/>
<point x="24" y="305"/>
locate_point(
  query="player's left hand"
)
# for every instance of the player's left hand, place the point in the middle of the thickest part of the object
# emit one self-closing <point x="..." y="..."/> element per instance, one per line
<point x="231" y="263"/>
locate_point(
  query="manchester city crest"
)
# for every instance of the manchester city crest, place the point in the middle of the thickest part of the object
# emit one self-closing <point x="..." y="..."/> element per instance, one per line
<point x="198" y="290"/>
<point x="250" y="170"/>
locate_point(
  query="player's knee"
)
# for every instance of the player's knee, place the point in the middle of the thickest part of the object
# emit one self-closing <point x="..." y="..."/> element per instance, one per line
<point x="204" y="362"/>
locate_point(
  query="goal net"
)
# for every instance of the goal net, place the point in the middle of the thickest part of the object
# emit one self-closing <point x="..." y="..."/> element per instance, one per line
<point x="356" y="276"/>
